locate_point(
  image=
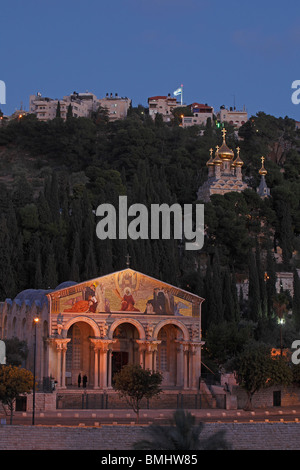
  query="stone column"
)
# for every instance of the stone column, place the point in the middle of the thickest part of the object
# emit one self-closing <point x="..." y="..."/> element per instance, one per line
<point x="104" y="348"/>
<point x="179" y="365"/>
<point x="109" y="368"/>
<point x="150" y="354"/>
<point x="185" y="348"/>
<point x="95" y="346"/>
<point x="142" y="348"/>
<point x="61" y="348"/>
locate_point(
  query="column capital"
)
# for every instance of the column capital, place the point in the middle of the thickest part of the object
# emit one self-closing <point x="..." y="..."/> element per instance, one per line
<point x="102" y="344"/>
<point x="194" y="346"/>
<point x="149" y="346"/>
<point x="61" y="343"/>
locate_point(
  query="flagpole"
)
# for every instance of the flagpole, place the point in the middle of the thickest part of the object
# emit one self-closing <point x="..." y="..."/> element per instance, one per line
<point x="181" y="95"/>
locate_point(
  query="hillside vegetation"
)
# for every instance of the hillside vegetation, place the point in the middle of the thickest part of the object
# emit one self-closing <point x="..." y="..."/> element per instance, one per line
<point x="54" y="175"/>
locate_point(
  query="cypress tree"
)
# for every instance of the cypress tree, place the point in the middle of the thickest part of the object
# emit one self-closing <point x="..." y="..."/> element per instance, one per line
<point x="270" y="281"/>
<point x="50" y="273"/>
<point x="229" y="306"/>
<point x="296" y="300"/>
<point x="69" y="112"/>
<point x="38" y="278"/>
<point x="217" y="289"/>
<point x="261" y="281"/>
<point x="7" y="279"/>
<point x="254" y="291"/>
<point x="58" y="110"/>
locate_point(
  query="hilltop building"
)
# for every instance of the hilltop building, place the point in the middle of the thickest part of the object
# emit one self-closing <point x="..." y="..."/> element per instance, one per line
<point x="224" y="173"/>
<point x="163" y="105"/>
<point x="201" y="113"/>
<point x="117" y="107"/>
<point x="82" y="104"/>
<point x="232" y="116"/>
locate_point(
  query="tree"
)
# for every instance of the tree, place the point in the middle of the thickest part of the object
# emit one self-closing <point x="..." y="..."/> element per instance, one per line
<point x="233" y="342"/>
<point x="296" y="300"/>
<point x="255" y="369"/>
<point x="254" y="290"/>
<point x="16" y="351"/>
<point x="181" y="434"/>
<point x="58" y="110"/>
<point x="69" y="111"/>
<point x="14" y="381"/>
<point x="134" y="383"/>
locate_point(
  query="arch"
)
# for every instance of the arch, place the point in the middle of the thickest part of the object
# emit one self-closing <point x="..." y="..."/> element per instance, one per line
<point x="84" y="319"/>
<point x="181" y="326"/>
<point x="137" y="324"/>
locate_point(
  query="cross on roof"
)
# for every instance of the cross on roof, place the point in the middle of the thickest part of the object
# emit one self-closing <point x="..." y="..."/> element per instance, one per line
<point x="128" y="260"/>
<point x="224" y="132"/>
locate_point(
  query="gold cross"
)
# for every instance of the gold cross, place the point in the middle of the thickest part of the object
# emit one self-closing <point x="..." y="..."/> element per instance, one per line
<point x="211" y="151"/>
<point x="262" y="160"/>
<point x="238" y="150"/>
<point x="224" y="132"/>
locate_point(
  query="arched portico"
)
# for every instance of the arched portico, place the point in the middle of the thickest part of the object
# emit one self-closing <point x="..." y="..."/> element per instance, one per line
<point x="171" y="321"/>
<point x="178" y="357"/>
<point x="132" y="321"/>
<point x="127" y="335"/>
<point x="72" y="354"/>
<point x="84" y="319"/>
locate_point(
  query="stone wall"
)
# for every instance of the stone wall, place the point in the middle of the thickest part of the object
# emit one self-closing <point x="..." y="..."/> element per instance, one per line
<point x="264" y="398"/>
<point x="244" y="436"/>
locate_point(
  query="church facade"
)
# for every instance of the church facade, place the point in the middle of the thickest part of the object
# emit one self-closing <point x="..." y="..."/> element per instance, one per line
<point x="95" y="327"/>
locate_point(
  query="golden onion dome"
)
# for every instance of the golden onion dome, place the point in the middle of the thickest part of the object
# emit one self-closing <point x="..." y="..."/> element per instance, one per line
<point x="211" y="160"/>
<point x="224" y="151"/>
<point x="217" y="160"/>
<point x="263" y="171"/>
<point x="238" y="161"/>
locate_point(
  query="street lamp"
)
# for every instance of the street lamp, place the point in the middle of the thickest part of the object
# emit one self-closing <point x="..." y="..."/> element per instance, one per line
<point x="35" y="321"/>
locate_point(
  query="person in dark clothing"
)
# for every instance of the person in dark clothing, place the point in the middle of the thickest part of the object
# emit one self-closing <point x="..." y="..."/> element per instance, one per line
<point x="79" y="380"/>
<point x="84" y="381"/>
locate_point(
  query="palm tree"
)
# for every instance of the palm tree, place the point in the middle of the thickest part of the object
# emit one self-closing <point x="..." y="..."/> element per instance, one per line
<point x="181" y="434"/>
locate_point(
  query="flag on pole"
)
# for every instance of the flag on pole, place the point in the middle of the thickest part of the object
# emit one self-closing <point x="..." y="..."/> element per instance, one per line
<point x="178" y="91"/>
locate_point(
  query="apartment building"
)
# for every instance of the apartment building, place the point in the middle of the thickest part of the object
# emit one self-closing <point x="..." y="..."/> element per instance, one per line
<point x="82" y="104"/>
<point x="201" y="113"/>
<point x="232" y="116"/>
<point x="162" y="105"/>
<point x="116" y="106"/>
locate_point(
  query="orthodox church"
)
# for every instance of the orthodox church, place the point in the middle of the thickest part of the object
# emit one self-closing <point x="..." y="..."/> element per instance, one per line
<point x="224" y="173"/>
<point x="95" y="327"/>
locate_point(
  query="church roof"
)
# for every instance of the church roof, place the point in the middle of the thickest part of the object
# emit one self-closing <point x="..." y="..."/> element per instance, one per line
<point x="39" y="296"/>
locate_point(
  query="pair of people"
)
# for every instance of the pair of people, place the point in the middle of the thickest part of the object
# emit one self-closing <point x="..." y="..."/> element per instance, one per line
<point x="84" y="380"/>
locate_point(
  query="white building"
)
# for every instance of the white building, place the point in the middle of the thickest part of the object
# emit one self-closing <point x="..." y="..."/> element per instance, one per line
<point x="201" y="113"/>
<point x="116" y="106"/>
<point x="163" y="105"/>
<point x="232" y="116"/>
<point x="82" y="104"/>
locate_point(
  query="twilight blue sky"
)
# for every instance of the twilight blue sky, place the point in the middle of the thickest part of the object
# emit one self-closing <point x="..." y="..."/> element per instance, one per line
<point x="221" y="51"/>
